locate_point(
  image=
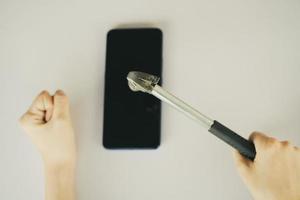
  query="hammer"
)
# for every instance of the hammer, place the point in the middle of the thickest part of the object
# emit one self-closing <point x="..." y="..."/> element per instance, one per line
<point x="144" y="82"/>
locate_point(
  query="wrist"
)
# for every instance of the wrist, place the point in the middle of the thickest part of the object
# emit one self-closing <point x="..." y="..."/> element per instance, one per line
<point x="60" y="180"/>
<point x="56" y="162"/>
<point x="61" y="166"/>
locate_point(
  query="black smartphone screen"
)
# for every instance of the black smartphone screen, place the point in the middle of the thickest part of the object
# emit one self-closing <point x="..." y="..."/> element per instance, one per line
<point x="131" y="119"/>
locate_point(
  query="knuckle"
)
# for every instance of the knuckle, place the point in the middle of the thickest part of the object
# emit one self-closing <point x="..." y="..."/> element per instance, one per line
<point x="258" y="138"/>
<point x="273" y="142"/>
<point x="285" y="144"/>
<point x="253" y="135"/>
<point x="44" y="93"/>
<point x="256" y="135"/>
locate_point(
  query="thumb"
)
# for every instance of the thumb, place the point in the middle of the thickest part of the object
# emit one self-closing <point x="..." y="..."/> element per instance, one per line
<point x="61" y="105"/>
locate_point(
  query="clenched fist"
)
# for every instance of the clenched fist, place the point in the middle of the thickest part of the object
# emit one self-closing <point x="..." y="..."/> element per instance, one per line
<point x="48" y="124"/>
<point x="275" y="172"/>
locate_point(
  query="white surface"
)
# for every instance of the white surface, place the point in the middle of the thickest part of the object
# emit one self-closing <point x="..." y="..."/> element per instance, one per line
<point x="237" y="61"/>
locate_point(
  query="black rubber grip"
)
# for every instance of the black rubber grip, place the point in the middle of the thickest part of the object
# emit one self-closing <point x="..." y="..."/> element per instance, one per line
<point x="245" y="147"/>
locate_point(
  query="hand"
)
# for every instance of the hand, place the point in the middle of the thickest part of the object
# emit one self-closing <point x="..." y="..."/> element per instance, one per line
<point x="275" y="172"/>
<point x="49" y="125"/>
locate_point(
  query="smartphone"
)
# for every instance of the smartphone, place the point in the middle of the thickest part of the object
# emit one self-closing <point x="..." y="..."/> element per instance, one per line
<point x="132" y="120"/>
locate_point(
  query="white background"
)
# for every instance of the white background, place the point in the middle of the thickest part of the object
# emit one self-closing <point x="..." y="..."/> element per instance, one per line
<point x="237" y="61"/>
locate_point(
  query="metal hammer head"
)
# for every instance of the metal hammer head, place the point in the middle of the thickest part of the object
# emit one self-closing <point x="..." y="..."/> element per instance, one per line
<point x="141" y="81"/>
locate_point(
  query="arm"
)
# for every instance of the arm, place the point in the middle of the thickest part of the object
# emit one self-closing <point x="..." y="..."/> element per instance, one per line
<point x="275" y="172"/>
<point x="48" y="124"/>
